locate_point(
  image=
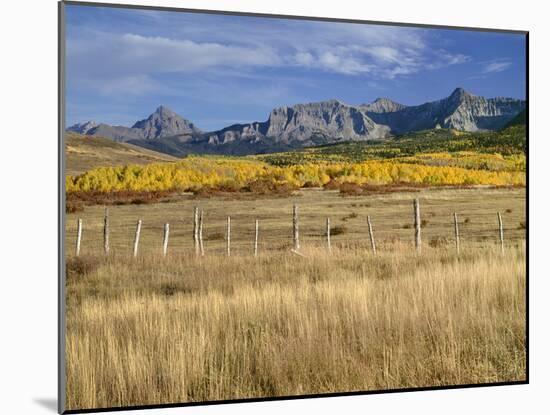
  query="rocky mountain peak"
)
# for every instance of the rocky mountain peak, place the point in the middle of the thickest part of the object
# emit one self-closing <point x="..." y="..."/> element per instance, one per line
<point x="165" y="123"/>
<point x="313" y="123"/>
<point x="166" y="112"/>
<point x="382" y="105"/>
<point x="83" y="127"/>
<point x="460" y="93"/>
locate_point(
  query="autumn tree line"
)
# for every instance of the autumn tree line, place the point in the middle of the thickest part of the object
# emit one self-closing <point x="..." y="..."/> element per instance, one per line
<point x="194" y="173"/>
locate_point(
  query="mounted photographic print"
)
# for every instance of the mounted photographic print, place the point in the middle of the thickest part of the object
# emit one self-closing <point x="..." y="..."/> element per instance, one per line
<point x="272" y="207"/>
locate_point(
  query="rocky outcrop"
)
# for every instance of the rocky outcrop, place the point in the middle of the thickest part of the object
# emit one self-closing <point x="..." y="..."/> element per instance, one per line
<point x="461" y="111"/>
<point x="306" y="124"/>
<point x="382" y="105"/>
<point x="332" y="119"/>
<point x="83" y="127"/>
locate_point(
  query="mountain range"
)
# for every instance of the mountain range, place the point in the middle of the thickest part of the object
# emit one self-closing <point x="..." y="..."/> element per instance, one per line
<point x="312" y="124"/>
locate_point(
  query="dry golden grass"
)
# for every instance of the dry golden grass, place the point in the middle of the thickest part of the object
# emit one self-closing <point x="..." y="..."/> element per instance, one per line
<point x="84" y="153"/>
<point x="391" y="215"/>
<point x="158" y="330"/>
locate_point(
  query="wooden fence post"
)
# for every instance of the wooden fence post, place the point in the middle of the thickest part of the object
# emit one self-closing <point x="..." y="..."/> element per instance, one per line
<point x="457" y="236"/>
<point x="78" y="236"/>
<point x="136" y="238"/>
<point x="165" y="238"/>
<point x="196" y="229"/>
<point x="106" y="232"/>
<point x="371" y="235"/>
<point x="295" y="227"/>
<point x="500" y="233"/>
<point x="328" y="236"/>
<point x="229" y="236"/>
<point x="417" y="237"/>
<point x="256" y="240"/>
<point x="201" y="245"/>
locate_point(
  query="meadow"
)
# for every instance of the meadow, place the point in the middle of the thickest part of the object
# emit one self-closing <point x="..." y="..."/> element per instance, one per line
<point x="182" y="328"/>
<point x="391" y="214"/>
<point x="83" y="153"/>
<point x="156" y="329"/>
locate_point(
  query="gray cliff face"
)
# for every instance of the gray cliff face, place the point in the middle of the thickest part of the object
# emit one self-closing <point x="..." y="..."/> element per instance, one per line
<point x="306" y="124"/>
<point x="312" y="124"/>
<point x="249" y="133"/>
<point x="473" y="113"/>
<point x="461" y="111"/>
<point x="331" y="119"/>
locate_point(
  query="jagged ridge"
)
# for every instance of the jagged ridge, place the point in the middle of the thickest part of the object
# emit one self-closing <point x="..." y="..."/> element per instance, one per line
<point x="310" y="124"/>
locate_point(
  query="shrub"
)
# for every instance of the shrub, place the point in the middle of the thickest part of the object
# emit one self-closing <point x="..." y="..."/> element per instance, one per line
<point x="338" y="230"/>
<point x="122" y="197"/>
<point x="215" y="236"/>
<point x="265" y="186"/>
<point x="332" y="185"/>
<point x="309" y="184"/>
<point x="352" y="215"/>
<point x="438" y="241"/>
<point x="73" y="207"/>
<point x="350" y="189"/>
<point x="81" y="266"/>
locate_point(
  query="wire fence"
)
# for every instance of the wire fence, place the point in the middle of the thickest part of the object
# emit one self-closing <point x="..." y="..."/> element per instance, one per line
<point x="278" y="230"/>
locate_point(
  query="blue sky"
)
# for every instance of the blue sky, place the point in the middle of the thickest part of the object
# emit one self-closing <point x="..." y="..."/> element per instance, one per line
<point x="216" y="70"/>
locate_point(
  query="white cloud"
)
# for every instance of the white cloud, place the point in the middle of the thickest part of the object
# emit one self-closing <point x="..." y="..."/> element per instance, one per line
<point x="496" y="66"/>
<point x="385" y="54"/>
<point x="187" y="55"/>
<point x="129" y="85"/>
<point x="342" y="63"/>
<point x="129" y="62"/>
<point x="304" y="58"/>
<point x="130" y="53"/>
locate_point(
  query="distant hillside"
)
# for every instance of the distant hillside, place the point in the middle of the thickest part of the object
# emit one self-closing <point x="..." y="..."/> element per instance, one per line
<point x="508" y="142"/>
<point x="86" y="152"/>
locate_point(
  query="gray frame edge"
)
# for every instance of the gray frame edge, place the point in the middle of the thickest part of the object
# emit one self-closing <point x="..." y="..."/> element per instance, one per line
<point x="290" y="17"/>
<point x="61" y="308"/>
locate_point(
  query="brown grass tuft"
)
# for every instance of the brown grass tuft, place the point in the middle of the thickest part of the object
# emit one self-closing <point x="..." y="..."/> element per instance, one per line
<point x="77" y="267"/>
<point x="74" y="207"/>
<point x="125" y="197"/>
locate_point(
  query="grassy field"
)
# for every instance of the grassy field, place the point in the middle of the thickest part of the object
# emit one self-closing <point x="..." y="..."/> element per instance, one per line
<point x="156" y="330"/>
<point x="152" y="331"/>
<point x="391" y="215"/>
<point x="84" y="153"/>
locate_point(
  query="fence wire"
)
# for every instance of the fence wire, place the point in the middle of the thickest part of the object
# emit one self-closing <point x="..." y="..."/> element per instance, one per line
<point x="477" y="226"/>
